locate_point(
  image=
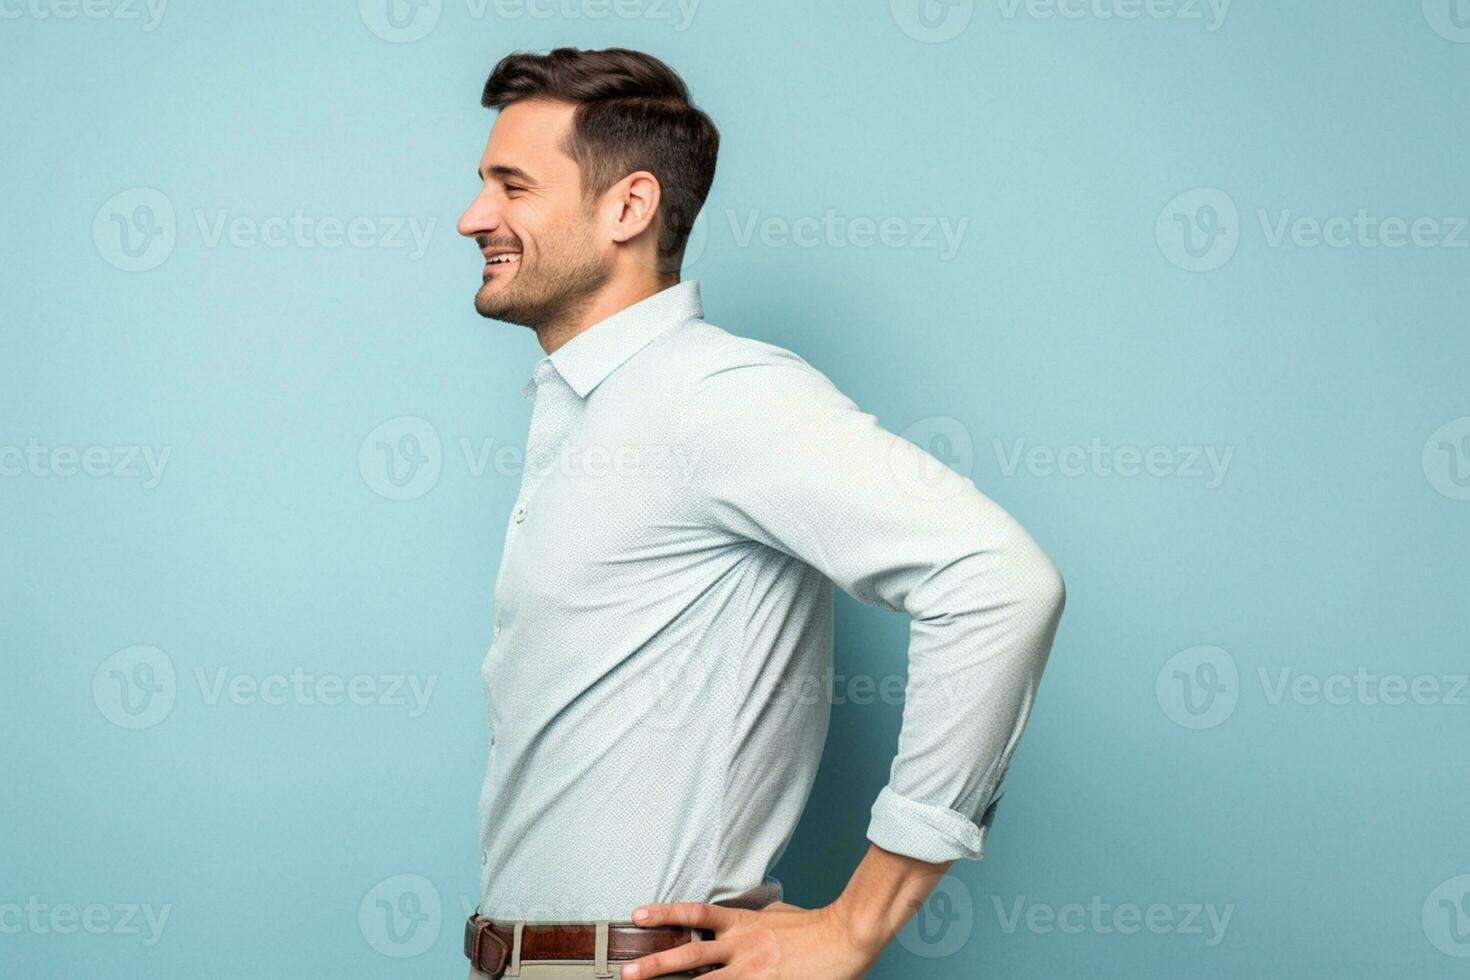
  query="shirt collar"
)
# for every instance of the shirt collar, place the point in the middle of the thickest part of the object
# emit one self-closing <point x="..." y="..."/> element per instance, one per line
<point x="590" y="356"/>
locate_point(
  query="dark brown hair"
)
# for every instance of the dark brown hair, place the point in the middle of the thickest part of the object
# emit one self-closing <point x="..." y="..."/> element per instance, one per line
<point x="633" y="113"/>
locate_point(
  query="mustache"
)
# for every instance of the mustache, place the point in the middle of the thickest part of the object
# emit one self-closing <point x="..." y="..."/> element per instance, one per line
<point x="486" y="242"/>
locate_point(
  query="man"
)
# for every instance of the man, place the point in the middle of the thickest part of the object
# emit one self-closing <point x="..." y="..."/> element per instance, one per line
<point x="663" y="608"/>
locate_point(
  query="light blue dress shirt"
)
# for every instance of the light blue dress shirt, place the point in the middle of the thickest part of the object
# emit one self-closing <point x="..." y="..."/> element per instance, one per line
<point x="658" y="685"/>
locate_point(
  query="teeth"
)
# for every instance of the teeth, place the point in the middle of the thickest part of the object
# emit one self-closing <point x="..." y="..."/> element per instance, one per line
<point x="502" y="259"/>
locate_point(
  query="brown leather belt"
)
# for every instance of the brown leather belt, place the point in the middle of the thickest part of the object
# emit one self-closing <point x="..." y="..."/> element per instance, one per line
<point x="488" y="944"/>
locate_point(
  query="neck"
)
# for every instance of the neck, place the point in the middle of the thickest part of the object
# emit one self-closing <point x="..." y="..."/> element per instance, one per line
<point x="599" y="306"/>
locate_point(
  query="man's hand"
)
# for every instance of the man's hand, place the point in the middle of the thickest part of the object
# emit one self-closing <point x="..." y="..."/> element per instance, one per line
<point x="840" y="941"/>
<point x="780" y="941"/>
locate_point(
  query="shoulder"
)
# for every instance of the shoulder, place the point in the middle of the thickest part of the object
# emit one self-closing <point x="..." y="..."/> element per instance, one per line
<point x="715" y="371"/>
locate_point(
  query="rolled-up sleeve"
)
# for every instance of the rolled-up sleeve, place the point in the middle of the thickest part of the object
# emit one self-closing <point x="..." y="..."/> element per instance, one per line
<point x="783" y="458"/>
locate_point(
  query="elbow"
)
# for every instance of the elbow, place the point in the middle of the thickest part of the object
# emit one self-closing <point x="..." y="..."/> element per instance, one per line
<point x="1016" y="584"/>
<point x="1057" y="586"/>
<point x="1044" y="591"/>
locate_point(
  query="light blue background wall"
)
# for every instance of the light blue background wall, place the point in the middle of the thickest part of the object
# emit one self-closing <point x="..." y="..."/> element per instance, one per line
<point x="1165" y="764"/>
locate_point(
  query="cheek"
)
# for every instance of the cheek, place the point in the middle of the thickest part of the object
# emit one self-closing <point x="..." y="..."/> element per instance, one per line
<point x="571" y="226"/>
<point x="529" y="227"/>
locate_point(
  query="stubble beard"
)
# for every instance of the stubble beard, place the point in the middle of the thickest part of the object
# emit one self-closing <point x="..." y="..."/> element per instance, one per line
<point x="550" y="293"/>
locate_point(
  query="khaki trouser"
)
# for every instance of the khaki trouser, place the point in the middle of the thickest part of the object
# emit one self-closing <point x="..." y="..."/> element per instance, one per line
<point x="564" y="969"/>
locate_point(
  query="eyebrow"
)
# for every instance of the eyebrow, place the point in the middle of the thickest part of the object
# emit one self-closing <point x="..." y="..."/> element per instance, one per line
<point x="502" y="172"/>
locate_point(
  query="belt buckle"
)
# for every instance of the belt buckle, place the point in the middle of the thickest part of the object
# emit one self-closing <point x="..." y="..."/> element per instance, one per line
<point x="475" y="934"/>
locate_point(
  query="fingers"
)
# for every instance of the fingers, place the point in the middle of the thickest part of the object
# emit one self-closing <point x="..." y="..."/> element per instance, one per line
<point x="694" y="914"/>
<point x="680" y="959"/>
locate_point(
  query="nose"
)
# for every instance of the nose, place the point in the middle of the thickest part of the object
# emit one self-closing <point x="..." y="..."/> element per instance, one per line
<point x="482" y="217"/>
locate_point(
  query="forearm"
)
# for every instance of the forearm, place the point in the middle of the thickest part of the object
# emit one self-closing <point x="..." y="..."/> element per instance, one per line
<point x="883" y="894"/>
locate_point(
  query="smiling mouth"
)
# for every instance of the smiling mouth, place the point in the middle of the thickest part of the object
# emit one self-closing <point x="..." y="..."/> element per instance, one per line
<point x="501" y="261"/>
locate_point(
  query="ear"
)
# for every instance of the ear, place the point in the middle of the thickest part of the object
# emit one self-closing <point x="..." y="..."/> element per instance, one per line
<point x="633" y="203"/>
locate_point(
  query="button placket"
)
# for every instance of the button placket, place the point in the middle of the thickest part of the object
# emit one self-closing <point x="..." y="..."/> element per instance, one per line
<point x="551" y="418"/>
<point x="556" y="407"/>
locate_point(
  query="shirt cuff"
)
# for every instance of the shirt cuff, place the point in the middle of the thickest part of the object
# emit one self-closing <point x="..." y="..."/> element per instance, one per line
<point x="928" y="833"/>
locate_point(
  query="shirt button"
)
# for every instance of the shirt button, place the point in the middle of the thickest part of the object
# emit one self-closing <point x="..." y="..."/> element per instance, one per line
<point x="484" y="858"/>
<point x="497" y="630"/>
<point x="520" y="514"/>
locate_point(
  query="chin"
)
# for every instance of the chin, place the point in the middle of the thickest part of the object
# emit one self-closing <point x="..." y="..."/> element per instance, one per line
<point x="486" y="298"/>
<point x="494" y="307"/>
